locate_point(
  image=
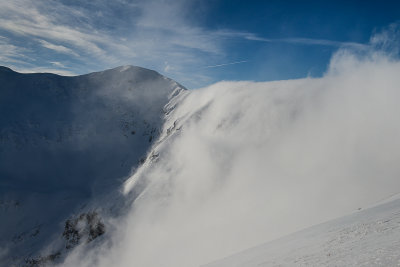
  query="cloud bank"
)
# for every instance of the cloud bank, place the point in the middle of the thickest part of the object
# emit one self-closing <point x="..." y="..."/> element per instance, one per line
<point x="241" y="163"/>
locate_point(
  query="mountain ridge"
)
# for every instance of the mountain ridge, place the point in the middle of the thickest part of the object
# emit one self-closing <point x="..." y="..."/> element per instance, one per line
<point x="65" y="141"/>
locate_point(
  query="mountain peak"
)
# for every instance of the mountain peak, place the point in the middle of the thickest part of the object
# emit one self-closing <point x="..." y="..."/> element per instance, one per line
<point x="125" y="68"/>
<point x="129" y="68"/>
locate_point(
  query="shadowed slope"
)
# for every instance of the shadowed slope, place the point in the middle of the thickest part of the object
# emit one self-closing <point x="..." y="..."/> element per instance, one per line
<point x="67" y="140"/>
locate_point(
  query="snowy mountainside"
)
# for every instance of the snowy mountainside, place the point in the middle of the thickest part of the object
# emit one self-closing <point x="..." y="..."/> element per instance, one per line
<point x="66" y="142"/>
<point x="368" y="237"/>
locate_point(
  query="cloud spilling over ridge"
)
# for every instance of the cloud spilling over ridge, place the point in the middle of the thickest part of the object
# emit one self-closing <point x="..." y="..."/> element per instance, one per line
<point x="241" y="163"/>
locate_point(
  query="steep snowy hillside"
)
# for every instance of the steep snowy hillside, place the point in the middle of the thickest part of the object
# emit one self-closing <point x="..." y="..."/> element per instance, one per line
<point x="66" y="143"/>
<point x="366" y="238"/>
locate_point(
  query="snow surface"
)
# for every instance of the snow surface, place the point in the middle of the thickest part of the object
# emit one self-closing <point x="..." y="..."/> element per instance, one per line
<point x="366" y="238"/>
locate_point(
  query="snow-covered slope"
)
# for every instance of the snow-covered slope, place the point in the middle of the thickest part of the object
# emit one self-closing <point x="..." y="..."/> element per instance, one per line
<point x="369" y="237"/>
<point x="66" y="142"/>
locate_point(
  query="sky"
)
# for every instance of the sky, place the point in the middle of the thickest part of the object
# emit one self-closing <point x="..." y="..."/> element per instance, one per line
<point x="197" y="43"/>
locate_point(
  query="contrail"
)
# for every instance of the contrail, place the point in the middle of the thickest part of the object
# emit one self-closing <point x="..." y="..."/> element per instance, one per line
<point x="303" y="41"/>
<point x="307" y="41"/>
<point x="225" y="64"/>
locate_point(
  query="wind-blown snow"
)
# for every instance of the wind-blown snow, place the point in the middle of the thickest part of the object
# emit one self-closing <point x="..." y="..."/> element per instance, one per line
<point x="241" y="163"/>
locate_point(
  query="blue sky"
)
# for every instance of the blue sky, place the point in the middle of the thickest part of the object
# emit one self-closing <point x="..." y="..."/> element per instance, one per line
<point x="195" y="42"/>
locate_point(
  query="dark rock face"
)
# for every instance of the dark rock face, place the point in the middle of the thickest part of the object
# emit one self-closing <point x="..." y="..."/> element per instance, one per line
<point x="42" y="260"/>
<point x="86" y="227"/>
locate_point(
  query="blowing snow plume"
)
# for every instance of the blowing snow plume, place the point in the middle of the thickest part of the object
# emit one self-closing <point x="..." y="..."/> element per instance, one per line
<point x="241" y="163"/>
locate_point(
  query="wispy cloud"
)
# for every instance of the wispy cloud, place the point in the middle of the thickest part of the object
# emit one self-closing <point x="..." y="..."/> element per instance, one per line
<point x="57" y="48"/>
<point x="58" y="64"/>
<point x="54" y="70"/>
<point x="11" y="53"/>
<point x="44" y="20"/>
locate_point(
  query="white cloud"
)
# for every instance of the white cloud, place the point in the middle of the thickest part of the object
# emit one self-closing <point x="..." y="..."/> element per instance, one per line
<point x="34" y="19"/>
<point x="58" y="48"/>
<point x="255" y="161"/>
<point x="58" y="64"/>
<point x="167" y="67"/>
<point x="166" y="18"/>
<point x="11" y="53"/>
<point x="388" y="39"/>
<point x="45" y="70"/>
